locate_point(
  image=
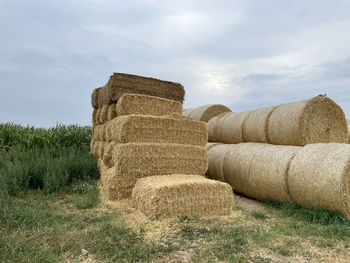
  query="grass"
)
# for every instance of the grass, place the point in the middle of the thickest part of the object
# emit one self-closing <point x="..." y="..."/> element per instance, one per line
<point x="48" y="159"/>
<point x="50" y="210"/>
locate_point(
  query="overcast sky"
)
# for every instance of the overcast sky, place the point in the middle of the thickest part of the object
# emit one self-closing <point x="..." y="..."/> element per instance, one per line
<point x="244" y="54"/>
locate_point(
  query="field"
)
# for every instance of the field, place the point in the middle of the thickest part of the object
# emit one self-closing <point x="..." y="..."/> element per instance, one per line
<point x="50" y="211"/>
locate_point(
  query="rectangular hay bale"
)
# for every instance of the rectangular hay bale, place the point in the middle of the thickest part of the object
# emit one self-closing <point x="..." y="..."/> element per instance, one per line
<point x="120" y="83"/>
<point x="136" y="104"/>
<point x="156" y="129"/>
<point x="148" y="159"/>
<point x="176" y="195"/>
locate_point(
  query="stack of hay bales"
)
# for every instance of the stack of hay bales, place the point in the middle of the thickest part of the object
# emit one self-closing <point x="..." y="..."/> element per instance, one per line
<point x="316" y="175"/>
<point x="205" y="112"/>
<point x="143" y="134"/>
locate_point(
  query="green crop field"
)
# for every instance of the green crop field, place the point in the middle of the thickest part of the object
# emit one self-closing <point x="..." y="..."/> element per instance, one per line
<point x="50" y="211"/>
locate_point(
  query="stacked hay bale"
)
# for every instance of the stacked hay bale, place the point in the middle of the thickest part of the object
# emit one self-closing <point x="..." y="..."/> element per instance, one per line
<point x="314" y="120"/>
<point x="205" y="112"/>
<point x="313" y="176"/>
<point x="316" y="175"/>
<point x="143" y="134"/>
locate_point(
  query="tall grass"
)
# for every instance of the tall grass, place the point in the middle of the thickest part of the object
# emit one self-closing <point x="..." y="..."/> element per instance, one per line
<point x="44" y="158"/>
<point x="12" y="135"/>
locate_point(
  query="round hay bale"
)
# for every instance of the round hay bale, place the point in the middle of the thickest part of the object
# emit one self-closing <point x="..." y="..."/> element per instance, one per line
<point x="207" y="112"/>
<point x="237" y="163"/>
<point x="319" y="177"/>
<point x="187" y="112"/>
<point x="268" y="173"/>
<point x="255" y="125"/>
<point x="103" y="114"/>
<point x="211" y="144"/>
<point x="232" y="127"/>
<point x="215" y="127"/>
<point x="216" y="155"/>
<point x="314" y="120"/>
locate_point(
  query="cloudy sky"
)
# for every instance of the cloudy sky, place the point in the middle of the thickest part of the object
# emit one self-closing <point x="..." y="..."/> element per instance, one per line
<point x="244" y="54"/>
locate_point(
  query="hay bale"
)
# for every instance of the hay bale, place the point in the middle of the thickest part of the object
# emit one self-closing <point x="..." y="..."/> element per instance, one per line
<point x="268" y="173"/>
<point x="206" y="112"/>
<point x="232" y="127"/>
<point x="147" y="159"/>
<point x="156" y="129"/>
<point x="135" y="104"/>
<point x="216" y="156"/>
<point x="237" y="164"/>
<point x="255" y="125"/>
<point x="112" y="112"/>
<point x="100" y="132"/>
<point x="211" y="144"/>
<point x="120" y="83"/>
<point x="187" y="112"/>
<point x="215" y="127"/>
<point x="94" y="98"/>
<point x="114" y="186"/>
<point x="182" y="195"/>
<point x="319" y="177"/>
<point x="103" y="114"/>
<point x="314" y="120"/>
<point x="94" y="112"/>
<point x="97" y="116"/>
<point x="134" y="161"/>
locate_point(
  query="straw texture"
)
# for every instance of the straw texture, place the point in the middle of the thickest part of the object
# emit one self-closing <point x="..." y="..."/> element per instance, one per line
<point x="112" y="112"/>
<point x="211" y="144"/>
<point x="156" y="129"/>
<point x="319" y="177"/>
<point x="133" y="161"/>
<point x="237" y="163"/>
<point x="103" y="114"/>
<point x="216" y="156"/>
<point x="215" y="127"/>
<point x="314" y="120"/>
<point x="232" y="127"/>
<point x="94" y="98"/>
<point x="187" y="112"/>
<point x="135" y="104"/>
<point x="205" y="112"/>
<point x="268" y="173"/>
<point x="120" y="83"/>
<point x="179" y="195"/>
<point x="255" y="125"/>
<point x="146" y="159"/>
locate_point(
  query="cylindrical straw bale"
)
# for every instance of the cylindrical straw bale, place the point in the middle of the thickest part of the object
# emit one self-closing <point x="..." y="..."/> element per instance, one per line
<point x="237" y="164"/>
<point x="319" y="177"/>
<point x="232" y="127"/>
<point x="215" y="127"/>
<point x="111" y="112"/>
<point x="314" y="120"/>
<point x="207" y="112"/>
<point x="211" y="144"/>
<point x="268" y="173"/>
<point x="255" y="125"/>
<point x="187" y="112"/>
<point x="103" y="114"/>
<point x="216" y="155"/>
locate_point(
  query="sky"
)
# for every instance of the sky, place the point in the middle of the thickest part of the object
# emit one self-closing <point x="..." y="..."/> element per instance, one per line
<point x="244" y="54"/>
